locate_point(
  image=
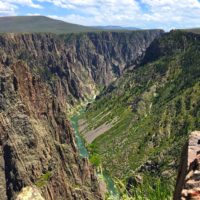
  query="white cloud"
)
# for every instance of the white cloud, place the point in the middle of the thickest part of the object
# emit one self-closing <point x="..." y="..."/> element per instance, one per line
<point x="157" y="13"/>
<point x="33" y="14"/>
<point x="172" y="3"/>
<point x="181" y="13"/>
<point x="94" y="12"/>
<point x="99" y="4"/>
<point x="9" y="7"/>
<point x="24" y="3"/>
<point x="140" y="13"/>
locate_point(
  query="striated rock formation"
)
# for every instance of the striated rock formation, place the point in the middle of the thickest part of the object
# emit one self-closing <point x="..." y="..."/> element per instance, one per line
<point x="188" y="180"/>
<point x="37" y="144"/>
<point x="41" y="76"/>
<point x="77" y="65"/>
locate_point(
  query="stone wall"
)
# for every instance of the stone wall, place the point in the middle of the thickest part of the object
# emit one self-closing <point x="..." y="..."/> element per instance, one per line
<point x="188" y="180"/>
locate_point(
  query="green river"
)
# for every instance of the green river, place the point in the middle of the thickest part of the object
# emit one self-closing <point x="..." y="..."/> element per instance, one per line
<point x="113" y="193"/>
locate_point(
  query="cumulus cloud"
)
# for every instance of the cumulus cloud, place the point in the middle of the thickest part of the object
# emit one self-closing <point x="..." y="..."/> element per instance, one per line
<point x="24" y="3"/>
<point x="9" y="7"/>
<point x="141" y="13"/>
<point x="174" y="12"/>
<point x="96" y="12"/>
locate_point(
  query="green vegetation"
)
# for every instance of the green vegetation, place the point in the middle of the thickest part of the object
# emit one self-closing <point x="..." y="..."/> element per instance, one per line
<point x="39" y="24"/>
<point x="156" y="105"/>
<point x="149" y="189"/>
<point x="192" y="30"/>
<point x="94" y="157"/>
<point x="95" y="160"/>
<point x="43" y="180"/>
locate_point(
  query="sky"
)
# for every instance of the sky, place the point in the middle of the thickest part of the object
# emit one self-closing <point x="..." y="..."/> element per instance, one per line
<point x="165" y="14"/>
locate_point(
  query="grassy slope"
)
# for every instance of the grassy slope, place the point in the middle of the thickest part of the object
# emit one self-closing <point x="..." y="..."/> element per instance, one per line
<point x="42" y="24"/>
<point x="34" y="24"/>
<point x="157" y="105"/>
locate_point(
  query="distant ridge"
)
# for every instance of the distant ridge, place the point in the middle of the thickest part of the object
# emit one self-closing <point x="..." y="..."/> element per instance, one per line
<point x="116" y="28"/>
<point x="192" y="30"/>
<point x="42" y="24"/>
<point x="27" y="24"/>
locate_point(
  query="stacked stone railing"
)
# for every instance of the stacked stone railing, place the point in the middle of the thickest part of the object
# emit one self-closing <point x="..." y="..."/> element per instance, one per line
<point x="188" y="180"/>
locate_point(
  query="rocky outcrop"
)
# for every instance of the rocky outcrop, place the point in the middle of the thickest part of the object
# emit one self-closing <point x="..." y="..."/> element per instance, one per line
<point x="37" y="144"/>
<point x="28" y="193"/>
<point x="188" y="180"/>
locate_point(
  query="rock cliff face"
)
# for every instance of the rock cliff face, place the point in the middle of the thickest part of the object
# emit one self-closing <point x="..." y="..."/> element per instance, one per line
<point x="41" y="76"/>
<point x="77" y="65"/>
<point x="188" y="184"/>
<point x="37" y="144"/>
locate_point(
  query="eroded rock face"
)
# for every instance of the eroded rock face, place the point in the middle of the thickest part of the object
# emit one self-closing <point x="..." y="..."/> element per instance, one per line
<point x="41" y="76"/>
<point x="188" y="180"/>
<point x="37" y="143"/>
<point x="76" y="65"/>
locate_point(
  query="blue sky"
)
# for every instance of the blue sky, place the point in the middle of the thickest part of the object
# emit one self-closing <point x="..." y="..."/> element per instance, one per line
<point x="165" y="14"/>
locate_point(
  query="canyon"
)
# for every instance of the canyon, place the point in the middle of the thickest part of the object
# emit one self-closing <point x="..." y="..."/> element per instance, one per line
<point x="43" y="77"/>
<point x="137" y="94"/>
